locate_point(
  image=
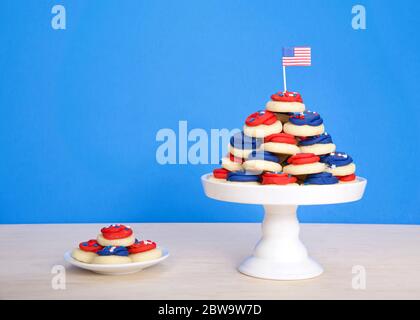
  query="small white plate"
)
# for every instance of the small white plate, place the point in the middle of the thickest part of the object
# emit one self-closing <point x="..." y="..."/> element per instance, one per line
<point x="115" y="269"/>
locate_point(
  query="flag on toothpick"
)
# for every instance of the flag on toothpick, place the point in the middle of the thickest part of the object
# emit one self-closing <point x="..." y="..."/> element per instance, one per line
<point x="296" y="56"/>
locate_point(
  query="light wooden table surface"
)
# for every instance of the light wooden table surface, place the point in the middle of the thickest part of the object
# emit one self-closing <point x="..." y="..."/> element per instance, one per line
<point x="203" y="263"/>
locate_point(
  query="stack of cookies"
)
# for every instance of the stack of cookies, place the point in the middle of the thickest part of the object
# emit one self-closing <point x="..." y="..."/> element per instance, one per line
<point x="116" y="244"/>
<point x="285" y="144"/>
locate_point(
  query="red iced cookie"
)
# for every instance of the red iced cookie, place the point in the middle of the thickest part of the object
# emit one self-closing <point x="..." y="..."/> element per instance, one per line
<point x="287" y="97"/>
<point x="260" y="117"/>
<point x="220" y="173"/>
<point x="281" y="138"/>
<point x="116" y="231"/>
<point x="90" y="246"/>
<point x="141" y="246"/>
<point x="277" y="178"/>
<point x="350" y="177"/>
<point x="303" y="158"/>
<point x="235" y="159"/>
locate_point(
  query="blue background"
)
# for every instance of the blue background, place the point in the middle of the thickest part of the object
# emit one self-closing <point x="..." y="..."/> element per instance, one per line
<point x="80" y="107"/>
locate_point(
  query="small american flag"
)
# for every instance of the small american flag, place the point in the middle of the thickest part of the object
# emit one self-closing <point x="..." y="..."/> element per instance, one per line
<point x="296" y="56"/>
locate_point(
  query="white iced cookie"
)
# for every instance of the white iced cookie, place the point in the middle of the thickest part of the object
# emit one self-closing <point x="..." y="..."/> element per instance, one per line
<point x="112" y="255"/>
<point x="146" y="256"/>
<point x="286" y="102"/>
<point x="262" y="161"/>
<point x="281" y="143"/>
<point x="305" y="124"/>
<point x="261" y="124"/>
<point x="230" y="163"/>
<point x="83" y="256"/>
<point x="304" y="163"/>
<point x="125" y="242"/>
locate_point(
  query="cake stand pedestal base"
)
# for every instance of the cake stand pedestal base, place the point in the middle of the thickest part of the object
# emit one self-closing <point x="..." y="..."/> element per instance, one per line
<point x="280" y="255"/>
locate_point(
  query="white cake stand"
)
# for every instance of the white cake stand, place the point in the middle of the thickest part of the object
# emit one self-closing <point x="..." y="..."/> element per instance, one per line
<point x="280" y="255"/>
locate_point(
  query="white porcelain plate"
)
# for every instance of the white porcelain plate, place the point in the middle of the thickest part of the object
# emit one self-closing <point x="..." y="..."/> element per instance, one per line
<point x="115" y="269"/>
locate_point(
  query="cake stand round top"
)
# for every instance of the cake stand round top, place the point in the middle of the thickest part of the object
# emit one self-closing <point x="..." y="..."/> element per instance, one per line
<point x="283" y="194"/>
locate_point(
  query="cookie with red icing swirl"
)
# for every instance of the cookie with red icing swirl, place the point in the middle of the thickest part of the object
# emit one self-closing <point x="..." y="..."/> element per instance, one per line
<point x="281" y="143"/>
<point x="304" y="163"/>
<point x="231" y="163"/>
<point x="90" y="246"/>
<point x="116" y="231"/>
<point x="287" y="96"/>
<point x="116" y="235"/>
<point x="87" y="251"/>
<point x="145" y="250"/>
<point x="286" y="102"/>
<point x="141" y="246"/>
<point x="220" y="173"/>
<point x="278" y="178"/>
<point x="261" y="124"/>
<point x="348" y="178"/>
<point x="303" y="158"/>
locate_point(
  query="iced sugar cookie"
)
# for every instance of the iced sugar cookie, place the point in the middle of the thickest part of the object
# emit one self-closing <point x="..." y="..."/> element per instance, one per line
<point x="144" y="251"/>
<point x="304" y="163"/>
<point x="282" y="143"/>
<point x="321" y="178"/>
<point x="286" y="102"/>
<point x="304" y="124"/>
<point x="220" y="174"/>
<point x="86" y="251"/>
<point x="231" y="163"/>
<point x="261" y="124"/>
<point x="244" y="177"/>
<point x="278" y="178"/>
<point x="347" y="179"/>
<point x="318" y="145"/>
<point x="83" y="256"/>
<point x="262" y="161"/>
<point x="242" y="145"/>
<point x="112" y="255"/>
<point x="339" y="164"/>
<point x="116" y="235"/>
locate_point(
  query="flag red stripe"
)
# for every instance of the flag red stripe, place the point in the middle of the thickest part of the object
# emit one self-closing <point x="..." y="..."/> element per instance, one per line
<point x="301" y="57"/>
